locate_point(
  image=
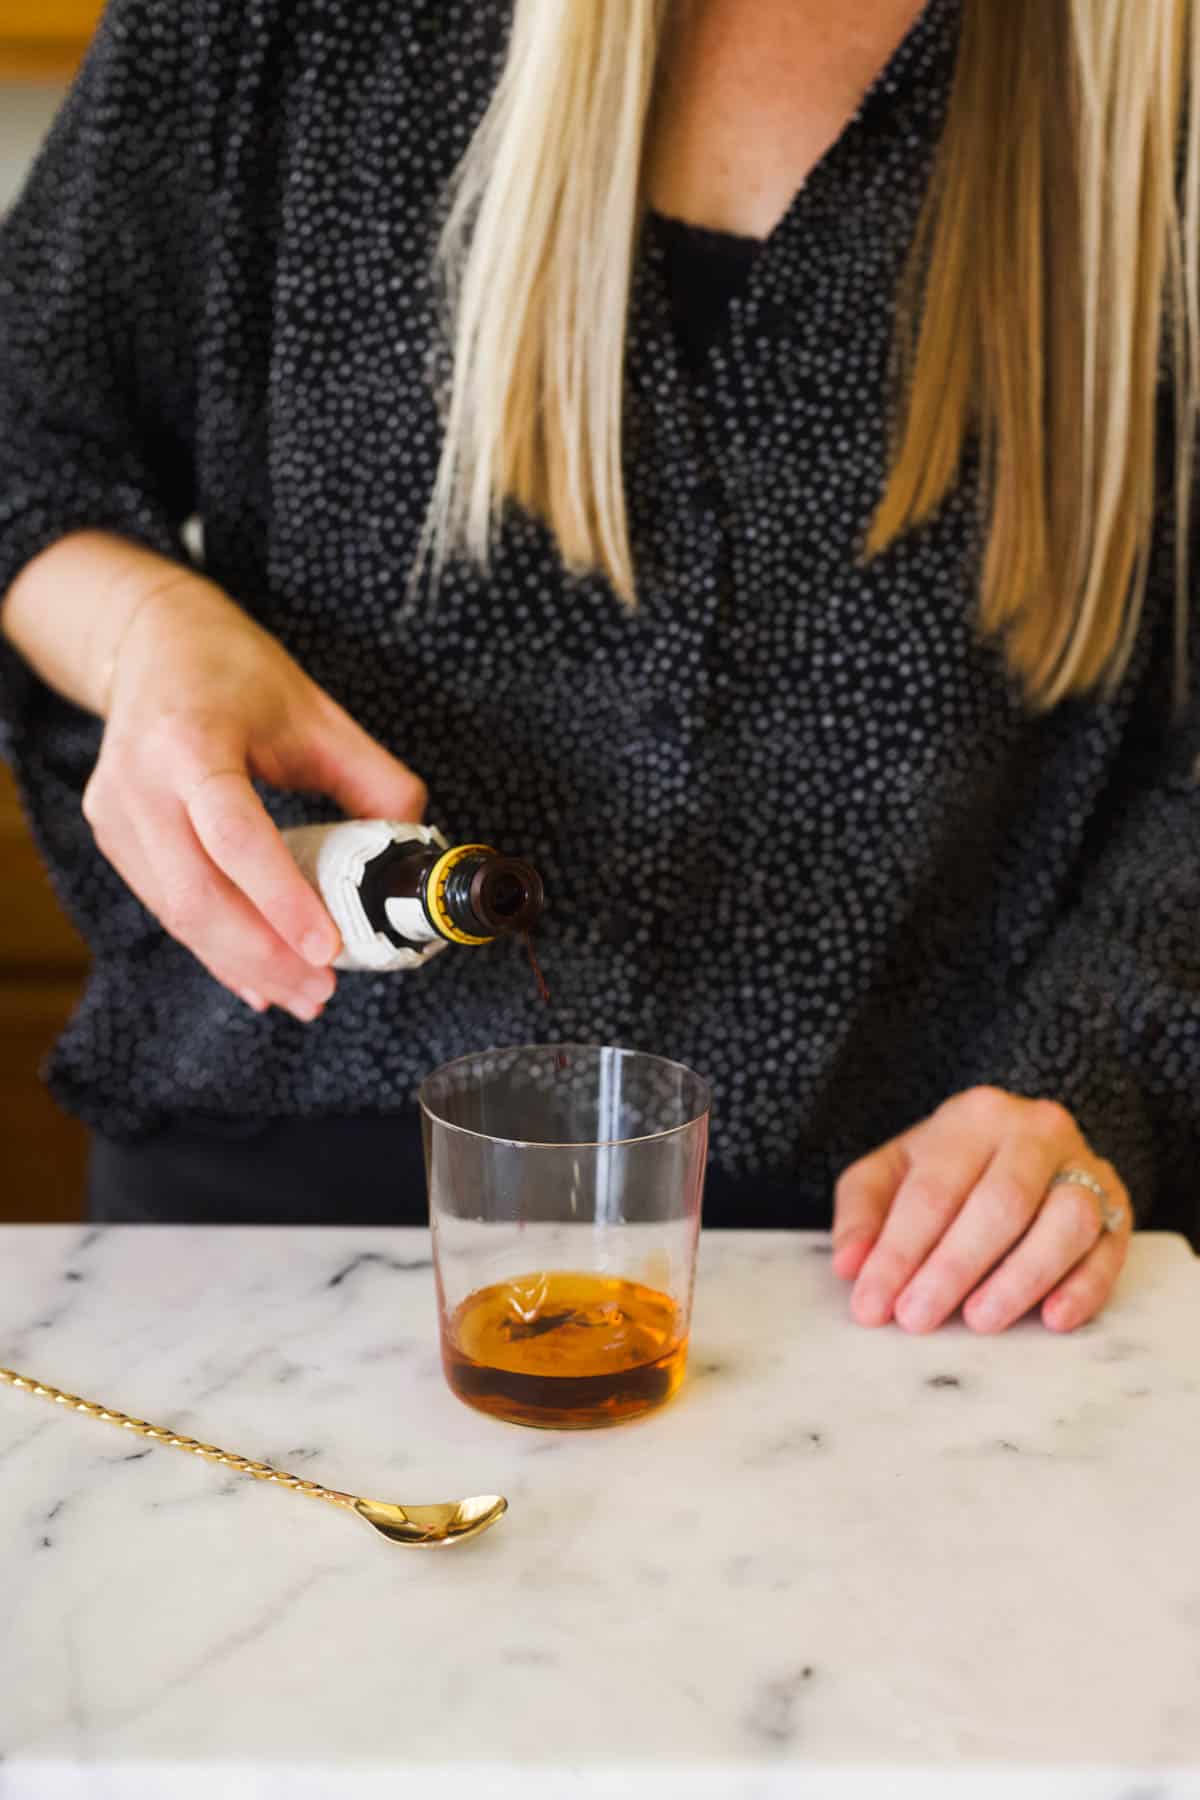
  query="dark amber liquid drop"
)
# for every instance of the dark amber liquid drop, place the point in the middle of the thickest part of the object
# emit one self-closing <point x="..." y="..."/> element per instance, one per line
<point x="568" y="1350"/>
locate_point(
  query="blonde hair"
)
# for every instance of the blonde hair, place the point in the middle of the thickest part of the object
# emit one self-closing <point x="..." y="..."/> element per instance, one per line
<point x="1056" y="250"/>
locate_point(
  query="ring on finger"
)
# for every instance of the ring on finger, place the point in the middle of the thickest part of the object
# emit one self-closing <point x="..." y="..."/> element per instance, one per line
<point x="1111" y="1212"/>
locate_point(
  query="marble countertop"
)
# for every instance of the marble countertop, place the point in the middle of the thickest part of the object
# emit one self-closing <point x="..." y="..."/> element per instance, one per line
<point x="841" y="1562"/>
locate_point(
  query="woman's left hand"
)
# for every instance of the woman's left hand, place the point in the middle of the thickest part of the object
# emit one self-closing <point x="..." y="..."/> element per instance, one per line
<point x="960" y="1211"/>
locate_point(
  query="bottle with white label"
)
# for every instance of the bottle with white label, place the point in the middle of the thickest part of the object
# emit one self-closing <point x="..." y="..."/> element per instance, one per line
<point x="400" y="893"/>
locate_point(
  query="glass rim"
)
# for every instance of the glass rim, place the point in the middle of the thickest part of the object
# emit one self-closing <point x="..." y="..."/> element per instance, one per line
<point x="492" y="1137"/>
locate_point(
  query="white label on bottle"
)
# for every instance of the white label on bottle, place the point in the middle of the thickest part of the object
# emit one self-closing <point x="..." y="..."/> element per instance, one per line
<point x="332" y="858"/>
<point x="408" y="917"/>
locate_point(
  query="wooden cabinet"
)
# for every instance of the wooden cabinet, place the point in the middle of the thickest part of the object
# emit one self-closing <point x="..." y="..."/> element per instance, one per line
<point x="42" y="963"/>
<point x="44" y="39"/>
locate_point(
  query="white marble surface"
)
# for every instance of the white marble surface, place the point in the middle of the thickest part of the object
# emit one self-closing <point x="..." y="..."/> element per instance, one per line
<point x="841" y="1563"/>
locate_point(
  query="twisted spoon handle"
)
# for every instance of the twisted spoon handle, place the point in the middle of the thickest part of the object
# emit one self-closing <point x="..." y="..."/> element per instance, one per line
<point x="260" y="1471"/>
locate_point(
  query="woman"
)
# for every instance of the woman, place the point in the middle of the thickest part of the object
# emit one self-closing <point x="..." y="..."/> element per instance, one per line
<point x="798" y="590"/>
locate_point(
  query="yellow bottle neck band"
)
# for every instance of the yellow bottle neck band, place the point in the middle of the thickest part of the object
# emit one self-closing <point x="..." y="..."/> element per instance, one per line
<point x="435" y="892"/>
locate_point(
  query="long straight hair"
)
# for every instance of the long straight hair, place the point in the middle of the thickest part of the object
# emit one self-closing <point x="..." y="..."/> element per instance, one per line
<point x="1053" y="274"/>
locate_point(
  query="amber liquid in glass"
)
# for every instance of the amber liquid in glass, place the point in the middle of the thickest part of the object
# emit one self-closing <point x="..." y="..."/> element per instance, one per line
<point x="568" y="1350"/>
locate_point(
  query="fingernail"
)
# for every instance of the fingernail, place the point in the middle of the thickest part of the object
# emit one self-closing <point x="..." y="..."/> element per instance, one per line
<point x="915" y="1309"/>
<point x="254" y="1000"/>
<point x="306" y="1010"/>
<point x="316" y="947"/>
<point x="983" y="1315"/>
<point x="871" y="1306"/>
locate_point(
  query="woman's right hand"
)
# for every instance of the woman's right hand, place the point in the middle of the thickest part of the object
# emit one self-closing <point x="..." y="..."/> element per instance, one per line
<point x="201" y="698"/>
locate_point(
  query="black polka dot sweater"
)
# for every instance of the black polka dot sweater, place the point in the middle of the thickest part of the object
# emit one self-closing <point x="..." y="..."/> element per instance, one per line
<point x="795" y="825"/>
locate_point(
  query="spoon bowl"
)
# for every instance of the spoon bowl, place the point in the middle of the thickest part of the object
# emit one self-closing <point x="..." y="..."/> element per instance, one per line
<point x="453" y="1522"/>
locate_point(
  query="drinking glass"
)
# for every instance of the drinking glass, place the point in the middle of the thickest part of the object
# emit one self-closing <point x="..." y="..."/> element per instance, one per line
<point x="565" y="1184"/>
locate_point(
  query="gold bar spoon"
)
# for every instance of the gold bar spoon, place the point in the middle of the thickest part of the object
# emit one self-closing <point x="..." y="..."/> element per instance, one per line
<point x="453" y="1522"/>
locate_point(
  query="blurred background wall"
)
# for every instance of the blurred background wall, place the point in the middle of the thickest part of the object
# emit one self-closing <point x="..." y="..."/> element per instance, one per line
<point x="41" y="960"/>
<point x="26" y="109"/>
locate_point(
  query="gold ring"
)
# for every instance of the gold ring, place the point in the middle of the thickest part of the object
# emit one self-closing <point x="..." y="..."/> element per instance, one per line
<point x="1112" y="1213"/>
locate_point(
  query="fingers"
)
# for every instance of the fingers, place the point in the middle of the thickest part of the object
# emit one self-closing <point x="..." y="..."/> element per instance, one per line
<point x="861" y="1199"/>
<point x="235" y="828"/>
<point x="1087" y="1288"/>
<point x="205" y="700"/>
<point x="944" y="1165"/>
<point x="998" y="1210"/>
<point x="367" y="781"/>
<point x="1066" y="1233"/>
<point x="960" y="1211"/>
<point x="143" y="829"/>
<point x="202" y="909"/>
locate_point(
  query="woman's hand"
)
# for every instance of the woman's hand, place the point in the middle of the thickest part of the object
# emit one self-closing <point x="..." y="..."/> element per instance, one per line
<point x="200" y="698"/>
<point x="960" y="1210"/>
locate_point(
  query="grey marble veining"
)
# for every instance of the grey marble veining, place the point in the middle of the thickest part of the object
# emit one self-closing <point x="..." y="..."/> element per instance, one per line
<point x="841" y="1562"/>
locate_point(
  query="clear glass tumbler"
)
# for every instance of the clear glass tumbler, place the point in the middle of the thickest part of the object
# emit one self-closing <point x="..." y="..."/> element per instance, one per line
<point x="565" y="1184"/>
